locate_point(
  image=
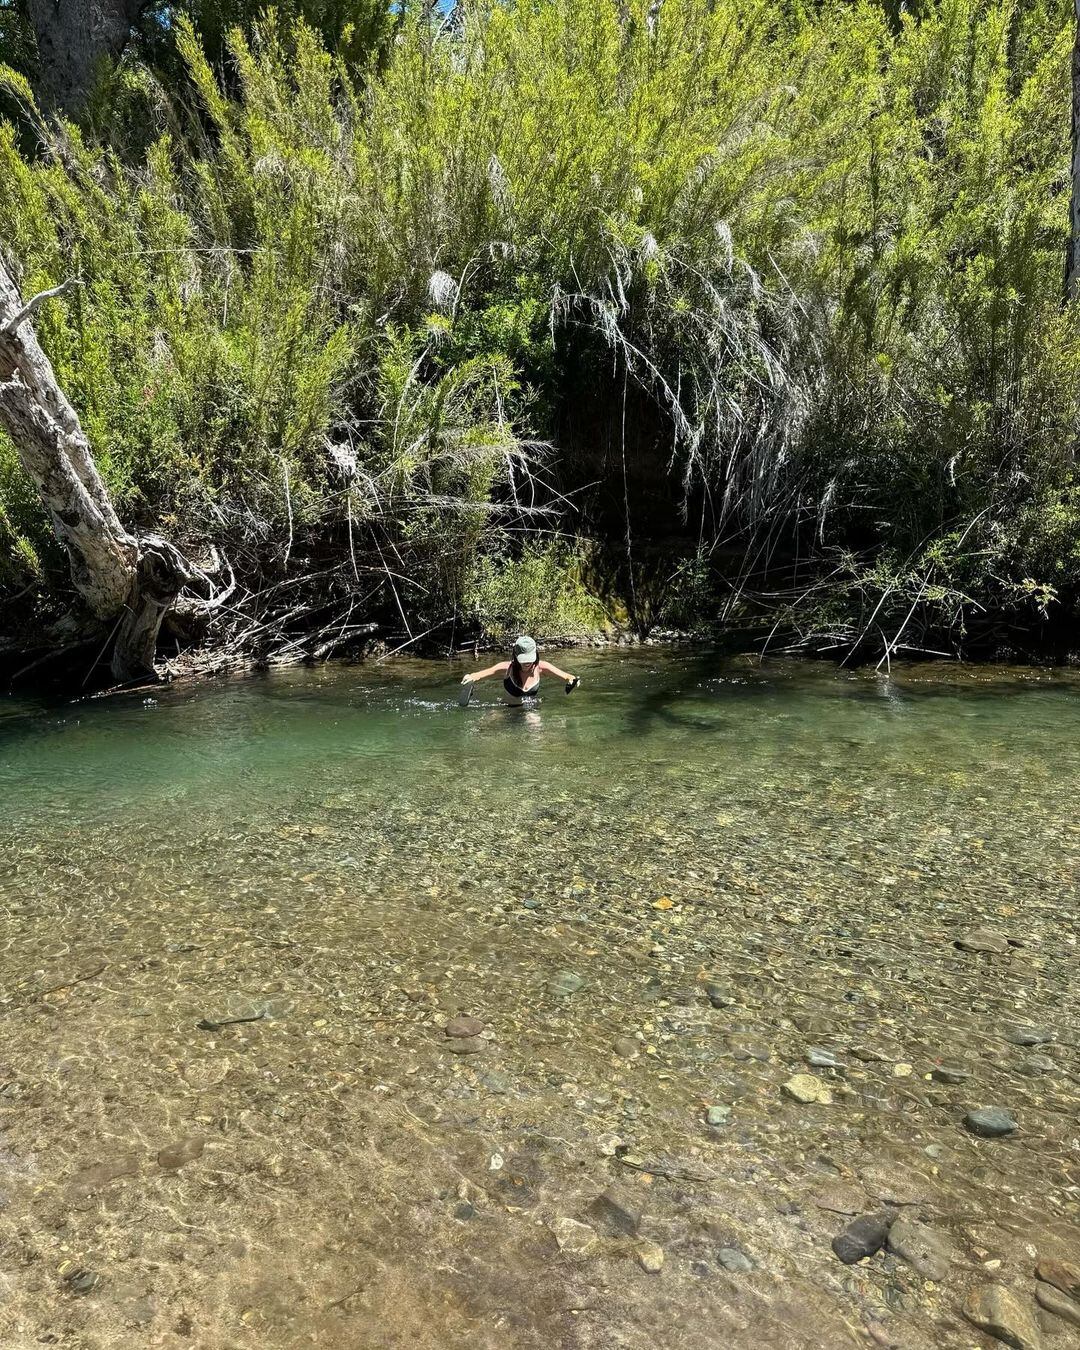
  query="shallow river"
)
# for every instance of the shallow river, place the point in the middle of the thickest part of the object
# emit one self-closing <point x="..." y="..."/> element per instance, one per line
<point x="662" y="897"/>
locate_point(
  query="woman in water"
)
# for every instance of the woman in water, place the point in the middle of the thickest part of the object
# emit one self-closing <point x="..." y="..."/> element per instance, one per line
<point x="522" y="672"/>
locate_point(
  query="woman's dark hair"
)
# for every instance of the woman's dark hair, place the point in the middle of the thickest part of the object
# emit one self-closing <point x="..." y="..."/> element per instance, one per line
<point x="515" y="668"/>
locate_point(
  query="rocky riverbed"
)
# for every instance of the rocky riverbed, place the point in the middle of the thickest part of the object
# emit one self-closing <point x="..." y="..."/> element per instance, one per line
<point x="717" y="1006"/>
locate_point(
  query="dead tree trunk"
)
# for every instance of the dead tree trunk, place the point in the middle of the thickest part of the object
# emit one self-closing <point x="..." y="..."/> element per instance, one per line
<point x="1072" y="257"/>
<point x="74" y="37"/>
<point x="124" y="580"/>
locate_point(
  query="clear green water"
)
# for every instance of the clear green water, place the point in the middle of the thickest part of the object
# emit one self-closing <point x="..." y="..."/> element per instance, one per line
<point x="352" y="856"/>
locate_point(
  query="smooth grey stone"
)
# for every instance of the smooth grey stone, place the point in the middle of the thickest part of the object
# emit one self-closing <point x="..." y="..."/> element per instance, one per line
<point x="565" y="983"/>
<point x="991" y="1122"/>
<point x="718" y="1115"/>
<point x="921" y="1247"/>
<point x="1054" y="1301"/>
<point x="82" y="1281"/>
<point x="822" y="1059"/>
<point x="465" y="1045"/>
<point x="464" y="1025"/>
<point x="950" y="1073"/>
<point x="1028" y="1035"/>
<point x="863" y="1236"/>
<point x="998" y="1311"/>
<point x="982" y="940"/>
<point x="731" y="1258"/>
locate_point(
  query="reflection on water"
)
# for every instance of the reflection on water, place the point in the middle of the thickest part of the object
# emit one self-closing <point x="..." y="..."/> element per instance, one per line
<point x="740" y="864"/>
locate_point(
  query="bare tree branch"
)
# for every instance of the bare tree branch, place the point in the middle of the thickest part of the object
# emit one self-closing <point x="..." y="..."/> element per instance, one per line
<point x="34" y="304"/>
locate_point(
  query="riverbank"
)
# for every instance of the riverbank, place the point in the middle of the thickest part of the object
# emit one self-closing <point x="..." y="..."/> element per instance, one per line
<point x="67" y="674"/>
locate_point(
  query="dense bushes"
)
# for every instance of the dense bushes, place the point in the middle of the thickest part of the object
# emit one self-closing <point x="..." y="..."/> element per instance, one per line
<point x="335" y="299"/>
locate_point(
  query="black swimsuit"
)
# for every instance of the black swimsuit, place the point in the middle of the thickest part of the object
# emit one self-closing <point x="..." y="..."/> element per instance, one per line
<point x="515" y="690"/>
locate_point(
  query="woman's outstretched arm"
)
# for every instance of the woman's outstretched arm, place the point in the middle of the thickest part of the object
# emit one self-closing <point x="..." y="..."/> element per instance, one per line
<point x="500" y="669"/>
<point x="554" y="670"/>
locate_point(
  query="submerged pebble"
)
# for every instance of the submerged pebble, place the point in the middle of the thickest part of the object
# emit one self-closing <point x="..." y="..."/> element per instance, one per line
<point x="991" y="1122"/>
<point x="81" y="1281"/>
<point x="1061" y="1274"/>
<point x="863" y="1236"/>
<point x="1061" y="1305"/>
<point x="927" y="1251"/>
<point x="464" y="1025"/>
<point x="983" y="940"/>
<point x="950" y="1073"/>
<point x="565" y="983"/>
<point x="578" y="1239"/>
<point x="650" y="1256"/>
<point x="998" y="1311"/>
<point x="466" y="1045"/>
<point x="806" y="1088"/>
<point x="174" y="1156"/>
<point x="1028" y="1035"/>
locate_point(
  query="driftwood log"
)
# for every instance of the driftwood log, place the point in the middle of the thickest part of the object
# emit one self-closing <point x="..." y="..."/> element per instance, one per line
<point x="126" y="581"/>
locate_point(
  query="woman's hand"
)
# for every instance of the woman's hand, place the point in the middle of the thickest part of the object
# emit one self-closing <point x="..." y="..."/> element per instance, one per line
<point x="467" y="679"/>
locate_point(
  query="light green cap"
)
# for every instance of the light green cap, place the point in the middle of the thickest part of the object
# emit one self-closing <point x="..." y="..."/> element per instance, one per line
<point x="524" y="651"/>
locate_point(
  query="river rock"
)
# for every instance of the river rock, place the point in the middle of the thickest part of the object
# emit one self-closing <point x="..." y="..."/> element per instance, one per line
<point x="950" y="1073"/>
<point x="718" y="1115"/>
<point x="983" y="940"/>
<point x="871" y="1054"/>
<point x="863" y="1237"/>
<point x="564" y="983"/>
<point x="1035" y="1065"/>
<point x="1054" y="1301"/>
<point x="82" y="1281"/>
<point x="496" y="1083"/>
<point x="805" y="1087"/>
<point x="1061" y="1275"/>
<point x="464" y="1025"/>
<point x="734" y="1260"/>
<point x="991" y="1122"/>
<point x="465" y="1045"/>
<point x="822" y="1059"/>
<point x="174" y="1156"/>
<point x="997" y="1311"/>
<point x="1028" y="1035"/>
<point x="921" y="1247"/>
<point x="205" y="1073"/>
<point x="650" y="1256"/>
<point x="627" y="1047"/>
<point x="576" y="1238"/>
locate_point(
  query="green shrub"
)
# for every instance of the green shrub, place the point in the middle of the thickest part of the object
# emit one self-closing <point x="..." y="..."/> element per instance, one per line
<point x="540" y="592"/>
<point x="829" y="251"/>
